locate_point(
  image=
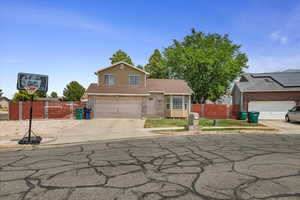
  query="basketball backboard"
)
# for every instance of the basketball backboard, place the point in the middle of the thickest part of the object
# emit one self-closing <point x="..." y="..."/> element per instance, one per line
<point x="26" y="80"/>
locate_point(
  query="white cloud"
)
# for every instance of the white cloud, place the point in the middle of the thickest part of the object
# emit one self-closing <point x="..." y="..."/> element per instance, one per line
<point x="277" y="36"/>
<point x="29" y="14"/>
<point x="273" y="63"/>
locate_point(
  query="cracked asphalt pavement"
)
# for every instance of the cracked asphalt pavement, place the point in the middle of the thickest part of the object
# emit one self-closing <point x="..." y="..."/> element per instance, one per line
<point x="213" y="167"/>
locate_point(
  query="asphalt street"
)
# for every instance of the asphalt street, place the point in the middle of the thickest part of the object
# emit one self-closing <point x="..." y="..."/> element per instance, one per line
<point x="213" y="167"/>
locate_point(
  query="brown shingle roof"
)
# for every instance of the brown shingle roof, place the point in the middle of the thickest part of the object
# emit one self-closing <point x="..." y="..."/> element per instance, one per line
<point x="161" y="85"/>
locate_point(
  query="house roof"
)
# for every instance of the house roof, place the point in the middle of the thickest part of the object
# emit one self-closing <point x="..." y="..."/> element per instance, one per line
<point x="121" y="62"/>
<point x="276" y="81"/>
<point x="166" y="86"/>
<point x="4" y="98"/>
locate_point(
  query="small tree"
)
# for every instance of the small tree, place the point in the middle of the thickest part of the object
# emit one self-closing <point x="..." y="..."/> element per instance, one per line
<point x="40" y="94"/>
<point x="140" y="67"/>
<point x="23" y="95"/>
<point x="53" y="95"/>
<point x="1" y="93"/>
<point x="73" y="91"/>
<point x="156" y="66"/>
<point x="120" y="56"/>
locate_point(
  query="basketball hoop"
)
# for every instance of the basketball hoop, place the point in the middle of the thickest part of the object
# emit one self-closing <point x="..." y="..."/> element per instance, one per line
<point x="31" y="83"/>
<point x="31" y="89"/>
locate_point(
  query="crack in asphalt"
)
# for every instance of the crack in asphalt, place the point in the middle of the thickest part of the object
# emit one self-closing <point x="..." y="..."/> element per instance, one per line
<point x="212" y="167"/>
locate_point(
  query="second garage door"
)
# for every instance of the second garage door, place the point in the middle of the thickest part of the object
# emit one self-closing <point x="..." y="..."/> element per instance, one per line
<point x="271" y="109"/>
<point x="118" y="107"/>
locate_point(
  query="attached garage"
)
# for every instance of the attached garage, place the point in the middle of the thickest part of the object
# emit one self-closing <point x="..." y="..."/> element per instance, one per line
<point x="117" y="107"/>
<point x="271" y="109"/>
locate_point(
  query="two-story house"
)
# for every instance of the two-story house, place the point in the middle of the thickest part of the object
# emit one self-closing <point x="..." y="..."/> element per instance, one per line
<point x="125" y="91"/>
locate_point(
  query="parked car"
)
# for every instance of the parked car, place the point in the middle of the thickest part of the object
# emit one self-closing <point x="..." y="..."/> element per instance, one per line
<point x="293" y="114"/>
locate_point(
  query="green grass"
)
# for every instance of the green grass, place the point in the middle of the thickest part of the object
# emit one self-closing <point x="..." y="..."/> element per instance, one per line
<point x="155" y="123"/>
<point x="169" y="131"/>
<point x="227" y="122"/>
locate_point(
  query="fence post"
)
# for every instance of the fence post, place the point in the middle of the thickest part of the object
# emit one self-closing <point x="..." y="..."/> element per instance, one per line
<point x="20" y="110"/>
<point x="228" y="111"/>
<point x="202" y="110"/>
<point x="72" y="109"/>
<point x="46" y="109"/>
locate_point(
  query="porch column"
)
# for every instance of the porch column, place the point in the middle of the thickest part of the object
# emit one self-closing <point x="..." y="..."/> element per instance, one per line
<point x="183" y="102"/>
<point x="171" y="105"/>
<point x="189" y="104"/>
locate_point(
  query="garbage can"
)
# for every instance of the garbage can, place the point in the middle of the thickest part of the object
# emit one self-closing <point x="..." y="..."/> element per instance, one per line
<point x="88" y="113"/>
<point x="79" y="113"/>
<point x="243" y="116"/>
<point x="253" y="117"/>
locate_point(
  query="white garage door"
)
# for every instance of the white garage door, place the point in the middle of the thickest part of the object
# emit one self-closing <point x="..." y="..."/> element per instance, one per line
<point x="271" y="109"/>
<point x="118" y="107"/>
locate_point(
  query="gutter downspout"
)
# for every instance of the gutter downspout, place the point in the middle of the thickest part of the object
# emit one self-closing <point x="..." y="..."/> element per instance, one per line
<point x="242" y="103"/>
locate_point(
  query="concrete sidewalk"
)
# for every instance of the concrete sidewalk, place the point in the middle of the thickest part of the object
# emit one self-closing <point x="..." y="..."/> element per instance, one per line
<point x="283" y="126"/>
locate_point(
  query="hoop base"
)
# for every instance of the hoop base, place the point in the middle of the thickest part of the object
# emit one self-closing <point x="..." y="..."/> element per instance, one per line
<point x="33" y="140"/>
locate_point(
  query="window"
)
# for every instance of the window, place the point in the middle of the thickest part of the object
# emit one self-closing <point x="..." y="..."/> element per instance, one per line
<point x="186" y="102"/>
<point x="177" y="102"/>
<point x="109" y="79"/>
<point x="134" y="79"/>
<point x="168" y="103"/>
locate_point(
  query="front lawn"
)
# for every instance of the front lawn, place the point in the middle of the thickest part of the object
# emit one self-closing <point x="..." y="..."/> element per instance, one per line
<point x="226" y="122"/>
<point x="155" y="123"/>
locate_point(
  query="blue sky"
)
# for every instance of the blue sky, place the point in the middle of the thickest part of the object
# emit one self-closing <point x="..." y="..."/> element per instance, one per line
<point x="70" y="39"/>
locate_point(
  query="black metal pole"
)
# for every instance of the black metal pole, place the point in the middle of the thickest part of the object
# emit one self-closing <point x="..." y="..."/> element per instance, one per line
<point x="30" y="118"/>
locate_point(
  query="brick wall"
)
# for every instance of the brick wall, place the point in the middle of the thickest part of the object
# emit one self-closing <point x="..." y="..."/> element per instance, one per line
<point x="270" y="96"/>
<point x="13" y="110"/>
<point x="43" y="110"/>
<point x="216" y="111"/>
<point x="37" y="110"/>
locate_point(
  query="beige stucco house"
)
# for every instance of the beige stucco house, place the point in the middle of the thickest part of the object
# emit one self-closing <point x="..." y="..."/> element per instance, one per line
<point x="4" y="103"/>
<point x="125" y="91"/>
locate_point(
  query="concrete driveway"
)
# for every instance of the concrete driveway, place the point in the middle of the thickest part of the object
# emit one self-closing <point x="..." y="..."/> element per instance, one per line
<point x="70" y="131"/>
<point x="103" y="129"/>
<point x="203" y="167"/>
<point x="283" y="126"/>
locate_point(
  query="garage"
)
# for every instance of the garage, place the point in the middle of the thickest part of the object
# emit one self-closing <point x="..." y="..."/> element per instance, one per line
<point x="118" y="107"/>
<point x="271" y="109"/>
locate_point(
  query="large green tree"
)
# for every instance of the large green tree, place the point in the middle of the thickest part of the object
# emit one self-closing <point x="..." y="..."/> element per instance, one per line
<point x="157" y="66"/>
<point x="208" y="62"/>
<point x="120" y="56"/>
<point x="73" y="91"/>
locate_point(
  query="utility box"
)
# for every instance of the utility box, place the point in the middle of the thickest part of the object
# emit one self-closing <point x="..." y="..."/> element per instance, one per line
<point x="192" y="123"/>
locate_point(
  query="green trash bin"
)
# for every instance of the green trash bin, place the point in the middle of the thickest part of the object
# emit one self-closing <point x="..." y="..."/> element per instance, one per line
<point x="243" y="116"/>
<point x="253" y="117"/>
<point x="79" y="113"/>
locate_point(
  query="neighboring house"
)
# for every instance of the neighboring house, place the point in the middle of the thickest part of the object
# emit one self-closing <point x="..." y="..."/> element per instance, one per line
<point x="125" y="91"/>
<point x="4" y="103"/>
<point x="272" y="94"/>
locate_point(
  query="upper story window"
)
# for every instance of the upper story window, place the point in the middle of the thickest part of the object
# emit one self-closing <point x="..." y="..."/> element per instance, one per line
<point x="109" y="79"/>
<point x="134" y="79"/>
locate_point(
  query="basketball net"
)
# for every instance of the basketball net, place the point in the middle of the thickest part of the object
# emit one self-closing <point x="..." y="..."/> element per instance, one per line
<point x="31" y="89"/>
